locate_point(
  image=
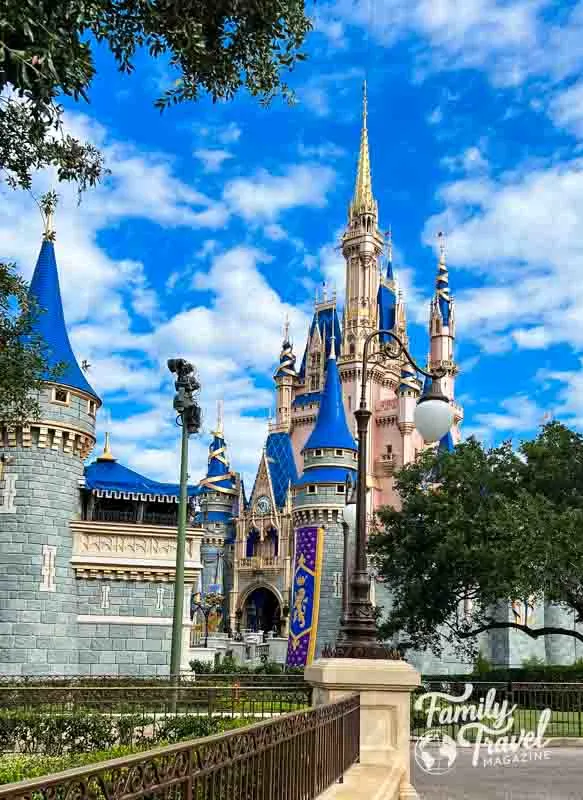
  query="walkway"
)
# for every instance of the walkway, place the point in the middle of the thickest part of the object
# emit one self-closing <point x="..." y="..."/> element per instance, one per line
<point x="560" y="777"/>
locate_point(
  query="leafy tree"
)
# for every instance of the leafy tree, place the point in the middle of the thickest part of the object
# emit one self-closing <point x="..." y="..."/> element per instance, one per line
<point x="478" y="529"/>
<point x="46" y="50"/>
<point x="23" y="354"/>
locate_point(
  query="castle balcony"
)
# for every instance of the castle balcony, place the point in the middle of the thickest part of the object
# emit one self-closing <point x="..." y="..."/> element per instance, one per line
<point x="385" y="464"/>
<point x="127" y="551"/>
<point x="260" y="563"/>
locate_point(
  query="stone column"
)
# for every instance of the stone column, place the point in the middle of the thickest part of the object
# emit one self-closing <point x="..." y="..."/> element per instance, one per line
<point x="385" y="689"/>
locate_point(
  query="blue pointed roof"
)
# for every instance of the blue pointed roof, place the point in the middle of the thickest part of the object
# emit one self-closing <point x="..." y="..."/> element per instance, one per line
<point x="446" y="444"/>
<point x="442" y="292"/>
<point x="106" y="475"/>
<point x="331" y="429"/>
<point x="219" y="476"/>
<point x="281" y="465"/>
<point x="287" y="361"/>
<point x="387" y="304"/>
<point x="50" y="323"/>
<point x="327" y="320"/>
<point x="408" y="379"/>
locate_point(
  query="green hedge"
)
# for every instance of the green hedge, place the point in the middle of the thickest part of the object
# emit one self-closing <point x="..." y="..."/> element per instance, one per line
<point x="23" y="766"/>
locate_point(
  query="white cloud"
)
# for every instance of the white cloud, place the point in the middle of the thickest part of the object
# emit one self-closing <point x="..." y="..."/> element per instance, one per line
<point x="234" y="341"/>
<point x="517" y="415"/>
<point x="315" y="94"/>
<point x="566" y="109"/>
<point x="512" y="40"/>
<point x="265" y="196"/>
<point x="520" y="235"/>
<point x="322" y="151"/>
<point x="212" y="160"/>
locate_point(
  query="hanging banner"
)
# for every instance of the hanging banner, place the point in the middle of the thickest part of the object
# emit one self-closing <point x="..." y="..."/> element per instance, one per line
<point x="306" y="596"/>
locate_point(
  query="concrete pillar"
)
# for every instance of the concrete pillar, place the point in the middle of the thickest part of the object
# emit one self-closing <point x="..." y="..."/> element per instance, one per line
<point x="385" y="689"/>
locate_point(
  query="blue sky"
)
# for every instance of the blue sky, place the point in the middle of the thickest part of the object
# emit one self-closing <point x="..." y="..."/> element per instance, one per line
<point x="218" y="220"/>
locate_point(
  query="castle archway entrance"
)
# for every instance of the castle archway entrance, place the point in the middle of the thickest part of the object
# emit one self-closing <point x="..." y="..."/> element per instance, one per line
<point x="262" y="611"/>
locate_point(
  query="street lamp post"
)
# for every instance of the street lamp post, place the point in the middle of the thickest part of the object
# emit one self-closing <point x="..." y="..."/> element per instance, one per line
<point x="189" y="418"/>
<point x="433" y="418"/>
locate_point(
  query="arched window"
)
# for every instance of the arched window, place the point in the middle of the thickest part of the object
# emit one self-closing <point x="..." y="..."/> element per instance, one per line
<point x="252" y="540"/>
<point x="273" y="539"/>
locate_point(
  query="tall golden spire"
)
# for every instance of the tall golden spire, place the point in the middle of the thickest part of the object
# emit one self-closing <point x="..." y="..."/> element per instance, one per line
<point x="107" y="454"/>
<point x="363" y="201"/>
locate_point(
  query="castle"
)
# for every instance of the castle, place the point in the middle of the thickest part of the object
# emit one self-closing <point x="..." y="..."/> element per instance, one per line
<point x="88" y="551"/>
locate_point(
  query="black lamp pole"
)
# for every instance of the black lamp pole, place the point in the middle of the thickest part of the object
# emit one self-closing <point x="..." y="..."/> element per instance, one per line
<point x="358" y="631"/>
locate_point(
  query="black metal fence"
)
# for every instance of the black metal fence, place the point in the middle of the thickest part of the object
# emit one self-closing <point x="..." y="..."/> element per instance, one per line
<point x="294" y="757"/>
<point x="564" y="700"/>
<point x="189" y="679"/>
<point x="154" y="701"/>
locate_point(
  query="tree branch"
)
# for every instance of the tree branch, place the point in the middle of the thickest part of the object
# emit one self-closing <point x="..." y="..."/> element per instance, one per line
<point x="534" y="633"/>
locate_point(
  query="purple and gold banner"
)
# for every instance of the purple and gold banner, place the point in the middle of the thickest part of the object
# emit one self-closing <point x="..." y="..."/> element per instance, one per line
<point x="306" y="596"/>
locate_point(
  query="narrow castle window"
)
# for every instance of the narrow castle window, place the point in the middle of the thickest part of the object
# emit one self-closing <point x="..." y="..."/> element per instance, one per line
<point x="91" y="407"/>
<point x="61" y="396"/>
<point x="312" y="489"/>
<point x="340" y="488"/>
<point x="318" y="453"/>
<point x="340" y="452"/>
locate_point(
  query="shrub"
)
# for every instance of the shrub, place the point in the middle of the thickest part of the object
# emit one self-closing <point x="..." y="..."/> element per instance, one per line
<point x="19" y="767"/>
<point x="269" y="668"/>
<point x="55" y="734"/>
<point x="201" y="667"/>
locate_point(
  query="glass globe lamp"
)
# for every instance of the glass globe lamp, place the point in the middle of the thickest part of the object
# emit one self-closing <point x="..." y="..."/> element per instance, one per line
<point x="433" y="414"/>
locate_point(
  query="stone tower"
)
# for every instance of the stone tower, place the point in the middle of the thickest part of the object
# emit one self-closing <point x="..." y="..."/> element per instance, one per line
<point x="39" y="496"/>
<point x="218" y="496"/>
<point x="319" y="498"/>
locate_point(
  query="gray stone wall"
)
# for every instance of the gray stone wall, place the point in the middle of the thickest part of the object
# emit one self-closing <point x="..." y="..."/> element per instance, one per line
<point x="38" y="628"/>
<point x="74" y="414"/>
<point x="331" y="587"/>
<point x="123" y="649"/>
<point x="124" y="646"/>
<point x="125" y="598"/>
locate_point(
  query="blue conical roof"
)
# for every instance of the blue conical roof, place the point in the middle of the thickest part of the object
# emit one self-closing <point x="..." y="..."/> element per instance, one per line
<point x="50" y="322"/>
<point x="331" y="427"/>
<point x="446" y="444"/>
<point x="219" y="476"/>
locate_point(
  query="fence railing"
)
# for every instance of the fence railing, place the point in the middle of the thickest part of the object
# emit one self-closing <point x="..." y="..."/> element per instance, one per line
<point x="188" y="679"/>
<point x="564" y="700"/>
<point x="297" y="756"/>
<point x="155" y="701"/>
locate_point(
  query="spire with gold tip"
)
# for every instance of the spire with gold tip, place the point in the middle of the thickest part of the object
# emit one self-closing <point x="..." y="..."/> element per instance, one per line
<point x="287" y="359"/>
<point x="442" y="293"/>
<point x="107" y="455"/>
<point x="363" y="202"/>
<point x="219" y="477"/>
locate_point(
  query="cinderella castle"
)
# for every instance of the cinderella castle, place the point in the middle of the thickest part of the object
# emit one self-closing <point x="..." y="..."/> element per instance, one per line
<point x="88" y="547"/>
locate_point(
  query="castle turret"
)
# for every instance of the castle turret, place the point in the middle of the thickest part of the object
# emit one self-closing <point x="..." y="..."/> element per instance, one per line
<point x="40" y="496"/>
<point x="319" y="499"/>
<point x="218" y="494"/>
<point x="409" y="390"/>
<point x="442" y="324"/>
<point x="362" y="245"/>
<point x="285" y="379"/>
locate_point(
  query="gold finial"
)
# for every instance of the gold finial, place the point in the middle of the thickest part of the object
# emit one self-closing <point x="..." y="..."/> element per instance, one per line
<point x="107" y="454"/>
<point x="286" y="328"/>
<point x="363" y="200"/>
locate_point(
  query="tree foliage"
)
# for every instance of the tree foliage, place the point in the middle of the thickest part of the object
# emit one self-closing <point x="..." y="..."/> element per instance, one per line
<point x="479" y="529"/>
<point x="213" y="46"/>
<point x="23" y="354"/>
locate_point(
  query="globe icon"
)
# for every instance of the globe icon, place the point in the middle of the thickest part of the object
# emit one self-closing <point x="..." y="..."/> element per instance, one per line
<point x="435" y="752"/>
